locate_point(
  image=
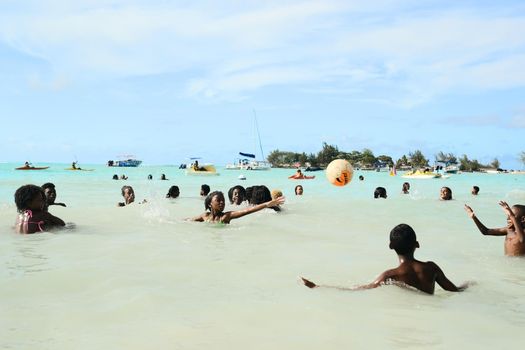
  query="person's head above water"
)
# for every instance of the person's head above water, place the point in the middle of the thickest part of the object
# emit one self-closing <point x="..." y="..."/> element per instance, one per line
<point x="361" y="177"/>
<point x="475" y="190"/>
<point x="30" y="197"/>
<point x="445" y="193"/>
<point x="215" y="201"/>
<point x="128" y="194"/>
<point x="380" y="192"/>
<point x="173" y="192"/>
<point x="150" y="177"/>
<point x="50" y="192"/>
<point x="237" y="194"/>
<point x="406" y="187"/>
<point x="403" y="239"/>
<point x="115" y="177"/>
<point x="163" y="177"/>
<point x="205" y="189"/>
<point x="299" y="190"/>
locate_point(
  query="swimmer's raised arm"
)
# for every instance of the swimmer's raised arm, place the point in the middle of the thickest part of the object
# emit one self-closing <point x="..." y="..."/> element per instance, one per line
<point x="250" y="210"/>
<point x="482" y="228"/>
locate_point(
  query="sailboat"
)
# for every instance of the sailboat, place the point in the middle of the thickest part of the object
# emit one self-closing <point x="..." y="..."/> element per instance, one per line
<point x="248" y="160"/>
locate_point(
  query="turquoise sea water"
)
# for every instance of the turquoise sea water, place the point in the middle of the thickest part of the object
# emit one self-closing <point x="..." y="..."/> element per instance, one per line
<point x="141" y="276"/>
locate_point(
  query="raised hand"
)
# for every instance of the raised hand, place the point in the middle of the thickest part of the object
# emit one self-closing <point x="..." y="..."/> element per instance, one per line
<point x="469" y="211"/>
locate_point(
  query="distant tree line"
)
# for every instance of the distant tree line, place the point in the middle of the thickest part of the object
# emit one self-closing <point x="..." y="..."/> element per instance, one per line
<point x="367" y="159"/>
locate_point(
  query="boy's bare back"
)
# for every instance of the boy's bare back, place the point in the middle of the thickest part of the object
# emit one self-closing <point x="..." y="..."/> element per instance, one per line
<point x="417" y="274"/>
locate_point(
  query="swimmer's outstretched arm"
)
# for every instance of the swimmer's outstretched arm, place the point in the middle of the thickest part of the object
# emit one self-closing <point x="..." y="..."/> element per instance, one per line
<point x="482" y="228"/>
<point x="199" y="218"/>
<point x="241" y="213"/>
<point x="311" y="284"/>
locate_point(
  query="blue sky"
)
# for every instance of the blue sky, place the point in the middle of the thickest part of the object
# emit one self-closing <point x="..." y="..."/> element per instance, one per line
<point x="166" y="80"/>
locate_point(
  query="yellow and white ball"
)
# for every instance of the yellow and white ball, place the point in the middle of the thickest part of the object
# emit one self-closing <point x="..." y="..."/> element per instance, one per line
<point x="339" y="172"/>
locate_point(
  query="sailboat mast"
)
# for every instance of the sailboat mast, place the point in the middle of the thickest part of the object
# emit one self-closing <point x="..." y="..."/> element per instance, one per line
<point x="258" y="134"/>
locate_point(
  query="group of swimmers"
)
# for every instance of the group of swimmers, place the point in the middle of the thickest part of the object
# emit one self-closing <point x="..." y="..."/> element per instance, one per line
<point x="33" y="204"/>
<point x="445" y="193"/>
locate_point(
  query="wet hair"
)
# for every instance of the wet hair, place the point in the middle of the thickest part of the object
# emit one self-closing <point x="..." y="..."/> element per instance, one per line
<point x="126" y="187"/>
<point x="406" y="186"/>
<point x="115" y="177"/>
<point x="261" y="194"/>
<point x="476" y="189"/>
<point x="242" y="193"/>
<point x="380" y="192"/>
<point x="521" y="210"/>
<point x="249" y="192"/>
<point x="205" y="189"/>
<point x="450" y="191"/>
<point x="150" y="177"/>
<point x="402" y="239"/>
<point x="173" y="192"/>
<point x="48" y="185"/>
<point x="26" y="194"/>
<point x="276" y="194"/>
<point x="163" y="177"/>
<point x="209" y="197"/>
<point x="296" y="187"/>
<point x="361" y="177"/>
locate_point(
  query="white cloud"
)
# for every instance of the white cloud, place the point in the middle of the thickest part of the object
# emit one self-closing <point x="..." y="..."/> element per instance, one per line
<point x="387" y="51"/>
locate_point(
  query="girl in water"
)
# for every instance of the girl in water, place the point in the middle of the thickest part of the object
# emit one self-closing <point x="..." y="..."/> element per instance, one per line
<point x="30" y="203"/>
<point x="214" y="204"/>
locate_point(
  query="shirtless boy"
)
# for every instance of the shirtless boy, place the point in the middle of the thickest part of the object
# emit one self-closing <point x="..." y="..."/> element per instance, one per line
<point x="411" y="272"/>
<point x="513" y="232"/>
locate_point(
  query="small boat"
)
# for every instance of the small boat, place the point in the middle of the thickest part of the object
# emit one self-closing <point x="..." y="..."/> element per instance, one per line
<point x="30" y="167"/>
<point x="128" y="161"/>
<point x="200" y="169"/>
<point x="421" y="174"/>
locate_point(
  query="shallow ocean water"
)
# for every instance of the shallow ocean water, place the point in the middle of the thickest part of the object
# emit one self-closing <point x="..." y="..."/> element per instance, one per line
<point x="142" y="277"/>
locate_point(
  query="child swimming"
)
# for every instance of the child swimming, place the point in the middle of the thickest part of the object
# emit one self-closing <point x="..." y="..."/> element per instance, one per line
<point x="237" y="195"/>
<point x="214" y="204"/>
<point x="420" y="275"/>
<point x="51" y="195"/>
<point x="30" y="204"/>
<point x="513" y="232"/>
<point x="445" y="194"/>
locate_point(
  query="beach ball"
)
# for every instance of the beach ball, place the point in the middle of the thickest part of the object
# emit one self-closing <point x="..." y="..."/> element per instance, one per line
<point x="339" y="172"/>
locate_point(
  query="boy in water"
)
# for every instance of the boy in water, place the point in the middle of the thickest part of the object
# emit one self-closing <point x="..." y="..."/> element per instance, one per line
<point x="475" y="190"/>
<point x="205" y="189"/>
<point x="51" y="195"/>
<point x="128" y="194"/>
<point x="214" y="204"/>
<point x="412" y="272"/>
<point x="513" y="232"/>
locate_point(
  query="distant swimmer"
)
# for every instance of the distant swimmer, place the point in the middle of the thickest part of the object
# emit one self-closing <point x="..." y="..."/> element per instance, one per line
<point x="51" y="195"/>
<point x="299" y="190"/>
<point x="513" y="232"/>
<point x="163" y="177"/>
<point x="410" y="272"/>
<point x="237" y="195"/>
<point x="205" y="189"/>
<point x="261" y="194"/>
<point x="173" y="192"/>
<point x="300" y="176"/>
<point x="475" y="190"/>
<point x="215" y="204"/>
<point x="129" y="196"/>
<point x="406" y="188"/>
<point x="30" y="203"/>
<point x="380" y="192"/>
<point x="445" y="194"/>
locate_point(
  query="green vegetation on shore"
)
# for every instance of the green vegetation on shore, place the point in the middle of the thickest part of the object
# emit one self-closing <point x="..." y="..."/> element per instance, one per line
<point x="366" y="159"/>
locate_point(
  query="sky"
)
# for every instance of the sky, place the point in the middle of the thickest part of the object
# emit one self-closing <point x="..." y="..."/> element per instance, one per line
<point x="167" y="80"/>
